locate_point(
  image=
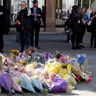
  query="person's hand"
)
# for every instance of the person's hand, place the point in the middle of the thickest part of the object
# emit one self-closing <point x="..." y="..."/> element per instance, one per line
<point x="32" y="14"/>
<point x="18" y="22"/>
<point x="83" y="20"/>
<point x="38" y="15"/>
<point x="1" y="13"/>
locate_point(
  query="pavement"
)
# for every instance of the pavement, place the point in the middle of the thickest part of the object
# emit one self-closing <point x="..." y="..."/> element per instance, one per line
<point x="56" y="41"/>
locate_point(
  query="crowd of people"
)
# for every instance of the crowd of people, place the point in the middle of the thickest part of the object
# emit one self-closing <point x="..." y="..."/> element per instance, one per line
<point x="77" y="23"/>
<point x="28" y="24"/>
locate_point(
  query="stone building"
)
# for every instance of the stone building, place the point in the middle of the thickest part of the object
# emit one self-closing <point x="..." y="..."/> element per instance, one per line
<point x="56" y="10"/>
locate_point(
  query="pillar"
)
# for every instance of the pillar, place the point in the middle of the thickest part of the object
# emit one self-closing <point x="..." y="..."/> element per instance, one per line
<point x="50" y="15"/>
<point x="58" y="7"/>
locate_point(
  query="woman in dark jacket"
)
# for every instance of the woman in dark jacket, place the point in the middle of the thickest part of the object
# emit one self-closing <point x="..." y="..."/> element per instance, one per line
<point x="24" y="26"/>
<point x="74" y="26"/>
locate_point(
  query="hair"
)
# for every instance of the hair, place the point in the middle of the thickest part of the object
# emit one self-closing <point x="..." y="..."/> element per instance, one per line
<point x="74" y="8"/>
<point x="24" y="2"/>
<point x="84" y="8"/>
<point x="35" y="1"/>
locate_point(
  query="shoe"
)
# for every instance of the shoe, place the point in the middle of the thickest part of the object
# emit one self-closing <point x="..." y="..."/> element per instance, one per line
<point x="21" y="51"/>
<point x="37" y="47"/>
<point x="81" y="46"/>
<point x="91" y="46"/>
<point x="1" y="51"/>
<point x="78" y="47"/>
<point x="73" y="47"/>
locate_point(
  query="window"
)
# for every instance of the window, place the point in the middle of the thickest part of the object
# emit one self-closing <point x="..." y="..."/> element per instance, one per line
<point x="63" y="9"/>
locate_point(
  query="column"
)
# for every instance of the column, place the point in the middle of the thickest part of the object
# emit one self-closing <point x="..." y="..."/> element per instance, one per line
<point x="58" y="7"/>
<point x="50" y="15"/>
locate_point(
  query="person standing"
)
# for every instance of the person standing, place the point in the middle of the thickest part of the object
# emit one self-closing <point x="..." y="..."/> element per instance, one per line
<point x="36" y="22"/>
<point x="93" y="28"/>
<point x="3" y="14"/>
<point x="73" y="23"/>
<point x="93" y="33"/>
<point x="83" y="25"/>
<point x="23" y="23"/>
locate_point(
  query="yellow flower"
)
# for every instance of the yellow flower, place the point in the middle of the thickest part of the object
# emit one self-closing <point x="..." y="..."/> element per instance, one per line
<point x="63" y="72"/>
<point x="14" y="51"/>
<point x="35" y="77"/>
<point x="22" y="62"/>
<point x="69" y="67"/>
<point x="52" y="68"/>
<point x="18" y="82"/>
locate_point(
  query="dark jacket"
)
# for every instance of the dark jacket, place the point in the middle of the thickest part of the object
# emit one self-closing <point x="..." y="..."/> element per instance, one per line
<point x="25" y="21"/>
<point x="3" y="14"/>
<point x="92" y="14"/>
<point x="93" y="26"/>
<point x="38" y="17"/>
<point x="72" y="21"/>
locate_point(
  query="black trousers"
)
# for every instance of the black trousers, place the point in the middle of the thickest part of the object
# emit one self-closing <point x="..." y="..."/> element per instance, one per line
<point x="1" y="42"/>
<point x="74" y="39"/>
<point x="24" y="40"/>
<point x="35" y="30"/>
<point x="93" y="40"/>
<point x="81" y="33"/>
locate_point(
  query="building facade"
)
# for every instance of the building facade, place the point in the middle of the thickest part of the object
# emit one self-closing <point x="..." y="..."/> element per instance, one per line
<point x="56" y="10"/>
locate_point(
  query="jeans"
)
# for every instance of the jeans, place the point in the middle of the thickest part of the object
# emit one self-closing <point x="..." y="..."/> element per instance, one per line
<point x="24" y="40"/>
